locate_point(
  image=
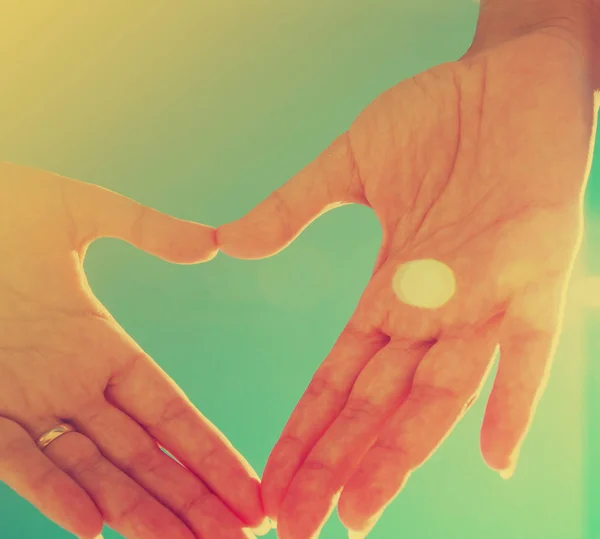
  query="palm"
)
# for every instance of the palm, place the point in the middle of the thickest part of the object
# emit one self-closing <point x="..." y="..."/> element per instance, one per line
<point x="476" y="160"/>
<point x="45" y="309"/>
<point x="64" y="358"/>
<point x="479" y="164"/>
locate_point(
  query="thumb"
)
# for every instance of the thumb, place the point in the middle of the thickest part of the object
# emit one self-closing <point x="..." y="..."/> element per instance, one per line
<point x="331" y="180"/>
<point x="98" y="212"/>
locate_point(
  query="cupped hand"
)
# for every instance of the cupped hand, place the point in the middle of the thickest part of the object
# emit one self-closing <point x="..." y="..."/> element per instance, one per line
<point x="479" y="164"/>
<point x="63" y="358"/>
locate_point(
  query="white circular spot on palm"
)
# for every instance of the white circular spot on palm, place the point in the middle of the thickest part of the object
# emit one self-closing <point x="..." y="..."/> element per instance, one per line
<point x="426" y="283"/>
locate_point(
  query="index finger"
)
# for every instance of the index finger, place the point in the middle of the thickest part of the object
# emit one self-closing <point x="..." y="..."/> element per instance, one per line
<point x="321" y="403"/>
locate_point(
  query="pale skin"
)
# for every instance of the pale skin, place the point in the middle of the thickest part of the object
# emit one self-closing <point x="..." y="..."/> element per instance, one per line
<point x="480" y="164"/>
<point x="63" y="357"/>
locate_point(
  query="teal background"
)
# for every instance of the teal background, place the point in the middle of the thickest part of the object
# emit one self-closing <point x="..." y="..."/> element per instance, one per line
<point x="200" y="111"/>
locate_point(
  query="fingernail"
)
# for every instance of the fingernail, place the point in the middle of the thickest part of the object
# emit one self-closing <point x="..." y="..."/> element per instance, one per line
<point x="367" y="526"/>
<point x="509" y="471"/>
<point x="263" y="529"/>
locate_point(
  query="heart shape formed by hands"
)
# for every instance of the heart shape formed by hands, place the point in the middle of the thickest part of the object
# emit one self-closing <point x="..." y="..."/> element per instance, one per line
<point x="460" y="164"/>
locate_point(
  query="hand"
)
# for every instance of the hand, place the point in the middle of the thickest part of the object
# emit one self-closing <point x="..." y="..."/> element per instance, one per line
<point x="480" y="164"/>
<point x="64" y="358"/>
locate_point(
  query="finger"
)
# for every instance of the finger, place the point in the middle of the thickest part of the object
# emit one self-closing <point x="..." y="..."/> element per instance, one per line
<point x="145" y="392"/>
<point x="122" y="441"/>
<point x="321" y="403"/>
<point x="126" y="506"/>
<point x="97" y="212"/>
<point x="32" y="475"/>
<point x="444" y="383"/>
<point x="527" y="346"/>
<point x="379" y="390"/>
<point x="329" y="181"/>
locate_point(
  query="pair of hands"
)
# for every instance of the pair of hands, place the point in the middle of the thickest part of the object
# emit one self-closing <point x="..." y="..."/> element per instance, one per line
<point x="479" y="163"/>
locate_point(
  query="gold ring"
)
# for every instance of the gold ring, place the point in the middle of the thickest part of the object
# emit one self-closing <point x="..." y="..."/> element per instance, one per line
<point x="48" y="437"/>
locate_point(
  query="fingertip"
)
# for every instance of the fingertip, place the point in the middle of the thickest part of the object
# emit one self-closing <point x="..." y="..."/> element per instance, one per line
<point x="90" y="527"/>
<point x="361" y="527"/>
<point x="228" y="240"/>
<point x="271" y="493"/>
<point x="263" y="528"/>
<point x="175" y="240"/>
<point x="492" y="459"/>
<point x="194" y="243"/>
<point x="509" y="470"/>
<point x="349" y="517"/>
<point x="250" y="507"/>
<point x="360" y="506"/>
<point x="269" y="505"/>
<point x="247" y="240"/>
<point x="77" y="513"/>
<point x="492" y="443"/>
<point x="225" y="236"/>
<point x="499" y="459"/>
<point x="101" y="213"/>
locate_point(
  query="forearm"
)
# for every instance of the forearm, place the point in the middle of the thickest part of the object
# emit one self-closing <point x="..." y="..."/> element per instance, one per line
<point x="577" y="20"/>
<point x="595" y="39"/>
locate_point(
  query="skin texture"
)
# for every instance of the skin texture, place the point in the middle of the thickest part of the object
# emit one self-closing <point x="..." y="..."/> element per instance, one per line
<point x="63" y="357"/>
<point x="480" y="164"/>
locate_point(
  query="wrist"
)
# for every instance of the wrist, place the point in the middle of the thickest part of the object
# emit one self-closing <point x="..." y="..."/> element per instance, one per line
<point x="575" y="21"/>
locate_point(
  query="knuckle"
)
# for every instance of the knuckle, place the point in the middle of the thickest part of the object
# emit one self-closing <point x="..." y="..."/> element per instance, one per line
<point x="46" y="477"/>
<point x="321" y="386"/>
<point x="197" y="502"/>
<point x="132" y="511"/>
<point x="175" y="409"/>
<point x="148" y="519"/>
<point x="423" y="393"/>
<point x="357" y="333"/>
<point x="288" y="442"/>
<point x="148" y="458"/>
<point x="318" y="467"/>
<point x="13" y="440"/>
<point x="512" y="391"/>
<point x="360" y="410"/>
<point x="127" y="369"/>
<point x="283" y="211"/>
<point x="85" y="459"/>
<point x="395" y="450"/>
<point x="210" y="454"/>
<point x="137" y="223"/>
